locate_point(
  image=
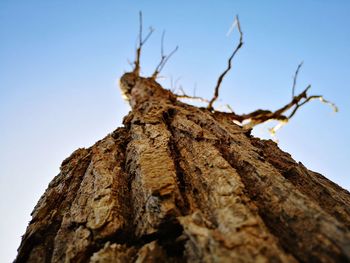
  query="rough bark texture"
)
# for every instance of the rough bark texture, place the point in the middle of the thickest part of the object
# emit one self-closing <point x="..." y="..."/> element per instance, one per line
<point x="179" y="183"/>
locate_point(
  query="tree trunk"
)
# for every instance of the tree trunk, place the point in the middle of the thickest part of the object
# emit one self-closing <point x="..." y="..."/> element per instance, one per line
<point x="179" y="183"/>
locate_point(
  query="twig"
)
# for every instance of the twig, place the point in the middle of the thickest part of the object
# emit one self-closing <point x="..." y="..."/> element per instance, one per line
<point x="295" y="78"/>
<point x="185" y="96"/>
<point x="141" y="43"/>
<point x="173" y="83"/>
<point x="229" y="108"/>
<point x="229" y="65"/>
<point x="164" y="58"/>
<point x="274" y="129"/>
<point x="331" y="104"/>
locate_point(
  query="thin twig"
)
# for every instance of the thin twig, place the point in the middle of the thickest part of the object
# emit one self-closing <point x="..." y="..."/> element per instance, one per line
<point x="185" y="96"/>
<point x="141" y="43"/>
<point x="274" y="129"/>
<point x="173" y="83"/>
<point x="319" y="97"/>
<point x="229" y="65"/>
<point x="162" y="44"/>
<point x="229" y="108"/>
<point x="295" y="78"/>
<point x="163" y="58"/>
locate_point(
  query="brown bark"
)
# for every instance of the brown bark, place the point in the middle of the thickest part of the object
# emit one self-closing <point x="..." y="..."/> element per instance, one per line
<point x="179" y="183"/>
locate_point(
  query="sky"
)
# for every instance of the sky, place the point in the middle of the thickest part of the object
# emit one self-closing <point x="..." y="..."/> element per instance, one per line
<point x="60" y="62"/>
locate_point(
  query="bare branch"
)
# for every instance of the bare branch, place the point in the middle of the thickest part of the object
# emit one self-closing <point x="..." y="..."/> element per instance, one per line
<point x="297" y="106"/>
<point x="141" y="43"/>
<point x="140" y="31"/>
<point x="295" y="78"/>
<point x="229" y="65"/>
<point x="229" y="108"/>
<point x="233" y="25"/>
<point x="162" y="45"/>
<point x="131" y="63"/>
<point x="182" y="90"/>
<point x="319" y="97"/>
<point x="185" y="96"/>
<point x="276" y="128"/>
<point x="173" y="84"/>
<point x="164" y="58"/>
<point x="261" y="116"/>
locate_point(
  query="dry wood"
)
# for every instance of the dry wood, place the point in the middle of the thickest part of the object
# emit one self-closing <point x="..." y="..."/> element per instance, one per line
<point x="182" y="184"/>
<point x="229" y="66"/>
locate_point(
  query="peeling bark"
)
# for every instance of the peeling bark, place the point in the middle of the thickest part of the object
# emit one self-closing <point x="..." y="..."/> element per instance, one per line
<point x="179" y="183"/>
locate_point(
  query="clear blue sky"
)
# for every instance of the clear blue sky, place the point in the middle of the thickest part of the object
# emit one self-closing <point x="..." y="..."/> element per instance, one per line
<point x="60" y="61"/>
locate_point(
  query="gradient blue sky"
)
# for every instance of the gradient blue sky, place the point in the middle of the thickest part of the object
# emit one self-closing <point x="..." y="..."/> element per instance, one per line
<point x="60" y="61"/>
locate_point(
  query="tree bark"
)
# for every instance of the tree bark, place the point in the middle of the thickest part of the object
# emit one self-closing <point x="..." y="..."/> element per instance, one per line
<point x="178" y="183"/>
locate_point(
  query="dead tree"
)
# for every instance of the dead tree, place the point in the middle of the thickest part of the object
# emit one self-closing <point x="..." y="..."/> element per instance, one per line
<point x="178" y="183"/>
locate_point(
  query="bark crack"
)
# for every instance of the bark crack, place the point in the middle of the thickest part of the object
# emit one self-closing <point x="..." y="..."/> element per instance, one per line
<point x="176" y="156"/>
